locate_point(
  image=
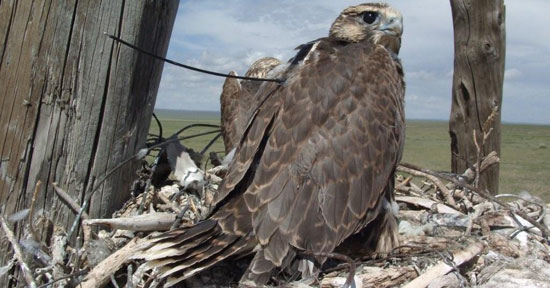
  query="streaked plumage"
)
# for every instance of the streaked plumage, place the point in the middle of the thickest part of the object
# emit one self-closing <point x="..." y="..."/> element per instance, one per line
<point x="315" y="163"/>
<point x="237" y="100"/>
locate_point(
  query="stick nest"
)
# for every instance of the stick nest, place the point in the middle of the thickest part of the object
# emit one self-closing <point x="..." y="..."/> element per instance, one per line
<point x="451" y="235"/>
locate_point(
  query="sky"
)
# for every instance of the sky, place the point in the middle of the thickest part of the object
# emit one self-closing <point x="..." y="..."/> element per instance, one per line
<point x="230" y="35"/>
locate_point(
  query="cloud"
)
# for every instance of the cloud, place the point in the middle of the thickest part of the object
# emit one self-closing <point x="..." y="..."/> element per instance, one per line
<point x="422" y="75"/>
<point x="230" y="35"/>
<point x="512" y="74"/>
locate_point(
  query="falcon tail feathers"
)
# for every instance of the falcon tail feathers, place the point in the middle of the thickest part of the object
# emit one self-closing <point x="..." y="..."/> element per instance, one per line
<point x="387" y="236"/>
<point x="181" y="253"/>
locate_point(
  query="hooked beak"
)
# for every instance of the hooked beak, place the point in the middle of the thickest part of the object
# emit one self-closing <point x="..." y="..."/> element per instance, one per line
<point x="393" y="26"/>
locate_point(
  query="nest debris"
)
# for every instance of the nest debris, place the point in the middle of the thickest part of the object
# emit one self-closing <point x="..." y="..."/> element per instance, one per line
<point x="450" y="236"/>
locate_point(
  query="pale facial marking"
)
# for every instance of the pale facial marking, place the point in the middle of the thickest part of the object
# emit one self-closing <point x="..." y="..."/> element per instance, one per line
<point x="364" y="21"/>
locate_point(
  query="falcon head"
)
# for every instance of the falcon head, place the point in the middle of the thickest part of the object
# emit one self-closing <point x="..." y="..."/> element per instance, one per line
<point x="376" y="22"/>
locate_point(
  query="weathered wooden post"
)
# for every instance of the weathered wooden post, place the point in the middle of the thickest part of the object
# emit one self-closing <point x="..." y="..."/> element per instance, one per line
<point x="480" y="46"/>
<point x="73" y="103"/>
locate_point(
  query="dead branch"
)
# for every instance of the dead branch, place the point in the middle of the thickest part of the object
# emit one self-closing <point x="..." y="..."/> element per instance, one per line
<point x="420" y="216"/>
<point x="65" y="198"/>
<point x="144" y="222"/>
<point x="27" y="273"/>
<point x="410" y="244"/>
<point x="403" y="184"/>
<point x="427" y="203"/>
<point x="417" y="253"/>
<point x="59" y="252"/>
<point x="526" y="201"/>
<point x="409" y="187"/>
<point x="478" y="158"/>
<point x="193" y="207"/>
<point x="77" y="273"/>
<point x="101" y="274"/>
<point x="478" y="211"/>
<point x="375" y="277"/>
<point x="543" y="229"/>
<point x="179" y="218"/>
<point x="442" y="268"/>
<point x="170" y="204"/>
<point x="444" y="190"/>
<point x="137" y="276"/>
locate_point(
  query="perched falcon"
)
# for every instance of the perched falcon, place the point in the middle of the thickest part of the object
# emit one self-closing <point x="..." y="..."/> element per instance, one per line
<point x="315" y="163"/>
<point x="237" y="100"/>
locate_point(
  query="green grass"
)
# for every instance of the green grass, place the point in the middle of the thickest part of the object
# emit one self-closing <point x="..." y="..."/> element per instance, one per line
<point x="172" y="121"/>
<point x="525" y="159"/>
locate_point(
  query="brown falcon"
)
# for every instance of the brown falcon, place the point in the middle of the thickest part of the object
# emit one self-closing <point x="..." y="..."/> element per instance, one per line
<point x="315" y="163"/>
<point x="237" y="100"/>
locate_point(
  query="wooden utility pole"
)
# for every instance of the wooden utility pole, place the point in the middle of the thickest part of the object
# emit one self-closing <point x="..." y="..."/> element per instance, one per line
<point x="480" y="46"/>
<point x="73" y="103"/>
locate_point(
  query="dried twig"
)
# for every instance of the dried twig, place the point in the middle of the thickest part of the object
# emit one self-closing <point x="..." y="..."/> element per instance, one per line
<point x="427" y="203"/>
<point x="543" y="229"/>
<point x="444" y="190"/>
<point x="179" y="218"/>
<point x="130" y="273"/>
<point x="526" y="201"/>
<point x="59" y="252"/>
<point x="170" y="204"/>
<point x="95" y="186"/>
<point x="193" y="207"/>
<point x="489" y="160"/>
<point x="113" y="281"/>
<point x="478" y="158"/>
<point x="27" y="273"/>
<point x="486" y="130"/>
<point x="478" y="210"/>
<point x="31" y="213"/>
<point x="374" y="277"/>
<point x="443" y="268"/>
<point x="145" y="193"/>
<point x="65" y="198"/>
<point x="144" y="222"/>
<point x="75" y="274"/>
<point x="408" y="187"/>
<point x="101" y="273"/>
<point x="403" y="183"/>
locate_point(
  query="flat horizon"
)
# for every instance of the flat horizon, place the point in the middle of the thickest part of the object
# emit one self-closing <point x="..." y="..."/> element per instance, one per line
<point x="408" y="119"/>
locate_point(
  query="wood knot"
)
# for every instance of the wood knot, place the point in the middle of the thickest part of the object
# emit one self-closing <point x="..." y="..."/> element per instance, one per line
<point x="489" y="49"/>
<point x="500" y="19"/>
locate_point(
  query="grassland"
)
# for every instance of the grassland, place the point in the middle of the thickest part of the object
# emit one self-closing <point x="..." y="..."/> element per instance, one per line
<point x="525" y="159"/>
<point x="172" y="121"/>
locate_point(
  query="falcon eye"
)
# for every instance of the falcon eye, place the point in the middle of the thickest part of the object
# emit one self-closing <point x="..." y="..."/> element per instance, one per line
<point x="370" y="17"/>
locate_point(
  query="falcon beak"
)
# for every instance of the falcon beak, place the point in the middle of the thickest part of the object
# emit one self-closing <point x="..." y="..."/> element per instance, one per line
<point x="393" y="26"/>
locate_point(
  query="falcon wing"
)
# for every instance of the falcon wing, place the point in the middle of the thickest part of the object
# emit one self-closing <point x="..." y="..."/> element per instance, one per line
<point x="311" y="168"/>
<point x="238" y="100"/>
<point x="315" y="161"/>
<point x="234" y="109"/>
